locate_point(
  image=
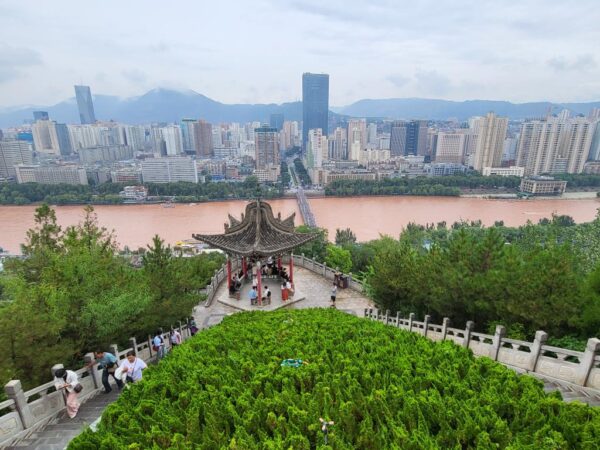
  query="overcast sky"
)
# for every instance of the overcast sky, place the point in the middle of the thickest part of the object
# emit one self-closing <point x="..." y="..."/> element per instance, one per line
<point x="256" y="51"/>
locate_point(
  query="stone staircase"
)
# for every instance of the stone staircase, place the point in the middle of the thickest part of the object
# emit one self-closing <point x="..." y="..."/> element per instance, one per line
<point x="572" y="393"/>
<point x="57" y="434"/>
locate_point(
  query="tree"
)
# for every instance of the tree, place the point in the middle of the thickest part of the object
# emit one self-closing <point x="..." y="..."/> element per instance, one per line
<point x="344" y="237"/>
<point x="338" y="258"/>
<point x="317" y="248"/>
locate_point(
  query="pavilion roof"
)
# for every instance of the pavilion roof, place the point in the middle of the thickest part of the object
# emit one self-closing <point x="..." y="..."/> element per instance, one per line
<point x="258" y="233"/>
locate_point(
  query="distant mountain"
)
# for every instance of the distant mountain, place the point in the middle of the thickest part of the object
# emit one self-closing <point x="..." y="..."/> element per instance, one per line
<point x="167" y="105"/>
<point x="422" y="108"/>
<point x="157" y="105"/>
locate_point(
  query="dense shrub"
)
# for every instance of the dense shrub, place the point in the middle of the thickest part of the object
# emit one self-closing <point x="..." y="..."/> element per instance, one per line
<point x="383" y="388"/>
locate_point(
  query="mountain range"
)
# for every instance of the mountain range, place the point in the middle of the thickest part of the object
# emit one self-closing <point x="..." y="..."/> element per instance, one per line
<point x="168" y="105"/>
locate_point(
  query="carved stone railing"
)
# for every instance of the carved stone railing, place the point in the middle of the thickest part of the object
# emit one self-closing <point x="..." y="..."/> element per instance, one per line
<point x="27" y="411"/>
<point x="569" y="366"/>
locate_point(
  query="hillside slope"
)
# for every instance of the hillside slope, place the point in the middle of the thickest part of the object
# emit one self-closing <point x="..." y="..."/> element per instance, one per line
<point x="383" y="388"/>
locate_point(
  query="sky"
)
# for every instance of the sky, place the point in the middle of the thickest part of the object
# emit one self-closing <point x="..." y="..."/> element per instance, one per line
<point x="256" y="51"/>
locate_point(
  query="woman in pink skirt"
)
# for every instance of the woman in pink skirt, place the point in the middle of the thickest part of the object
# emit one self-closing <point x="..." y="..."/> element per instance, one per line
<point x="67" y="380"/>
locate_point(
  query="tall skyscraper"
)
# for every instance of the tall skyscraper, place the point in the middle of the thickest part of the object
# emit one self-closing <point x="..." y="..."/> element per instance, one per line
<point x="317" y="148"/>
<point x="490" y="141"/>
<point x="398" y="139"/>
<point x="315" y="104"/>
<point x="188" y="136"/>
<point x="64" y="141"/>
<point x="416" y="137"/>
<point x="203" y="139"/>
<point x="266" y="144"/>
<point x="40" y="115"/>
<point x="276" y="121"/>
<point x="339" y="147"/>
<point x="13" y="153"/>
<point x="85" y="104"/>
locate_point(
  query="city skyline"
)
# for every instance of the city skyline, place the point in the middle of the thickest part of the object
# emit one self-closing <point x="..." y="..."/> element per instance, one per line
<point x="520" y="53"/>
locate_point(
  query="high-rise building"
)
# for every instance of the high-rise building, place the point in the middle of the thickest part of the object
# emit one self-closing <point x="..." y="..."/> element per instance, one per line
<point x="556" y="145"/>
<point x="64" y="140"/>
<point x="171" y="134"/>
<point x="357" y="133"/>
<point x="372" y="135"/>
<point x="51" y="137"/>
<point x="315" y="104"/>
<point x="594" y="114"/>
<point x="340" y="144"/>
<point x="40" y="115"/>
<point x="12" y="153"/>
<point x="83" y="94"/>
<point x="266" y="144"/>
<point x="276" y="121"/>
<point x="318" y="148"/>
<point x="416" y="137"/>
<point x="188" y="135"/>
<point x="450" y="147"/>
<point x="490" y="141"/>
<point x="398" y="139"/>
<point x="595" y="147"/>
<point x="203" y="139"/>
<point x="169" y="170"/>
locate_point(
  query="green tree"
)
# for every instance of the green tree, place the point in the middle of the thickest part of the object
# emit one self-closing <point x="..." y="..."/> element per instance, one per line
<point x="338" y="258"/>
<point x="344" y="237"/>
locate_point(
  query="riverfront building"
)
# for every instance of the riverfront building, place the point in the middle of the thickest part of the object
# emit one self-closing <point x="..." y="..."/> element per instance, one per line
<point x="315" y="104"/>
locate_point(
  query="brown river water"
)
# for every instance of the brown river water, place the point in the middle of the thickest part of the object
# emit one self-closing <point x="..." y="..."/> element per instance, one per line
<point x="368" y="217"/>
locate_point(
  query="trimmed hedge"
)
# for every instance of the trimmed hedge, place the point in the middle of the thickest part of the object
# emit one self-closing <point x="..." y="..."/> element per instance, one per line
<point x="383" y="387"/>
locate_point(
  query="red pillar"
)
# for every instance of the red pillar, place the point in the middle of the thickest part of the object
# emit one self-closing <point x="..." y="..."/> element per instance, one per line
<point x="258" y="286"/>
<point x="291" y="268"/>
<point x="244" y="266"/>
<point x="228" y="273"/>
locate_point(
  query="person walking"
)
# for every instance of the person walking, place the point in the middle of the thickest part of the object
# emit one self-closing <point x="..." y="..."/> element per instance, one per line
<point x="158" y="345"/>
<point x="193" y="326"/>
<point x="67" y="380"/>
<point x="107" y="362"/>
<point x="133" y="366"/>
<point x="333" y="295"/>
<point x="175" y="337"/>
<point x="284" y="291"/>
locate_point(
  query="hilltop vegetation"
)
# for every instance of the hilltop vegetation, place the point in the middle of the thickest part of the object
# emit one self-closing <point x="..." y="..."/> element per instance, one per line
<point x="383" y="388"/>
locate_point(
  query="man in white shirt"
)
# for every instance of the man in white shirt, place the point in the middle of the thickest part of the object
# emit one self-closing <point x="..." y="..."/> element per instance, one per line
<point x="133" y="366"/>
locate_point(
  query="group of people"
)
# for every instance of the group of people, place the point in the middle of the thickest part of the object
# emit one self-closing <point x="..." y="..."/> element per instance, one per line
<point x="265" y="298"/>
<point x="128" y="370"/>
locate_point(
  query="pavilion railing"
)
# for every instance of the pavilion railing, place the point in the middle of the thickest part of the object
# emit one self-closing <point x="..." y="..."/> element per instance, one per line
<point x="537" y="358"/>
<point x="27" y="411"/>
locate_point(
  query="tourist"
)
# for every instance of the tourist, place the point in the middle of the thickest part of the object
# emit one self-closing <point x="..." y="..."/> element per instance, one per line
<point x="255" y="282"/>
<point x="270" y="261"/>
<point x="133" y="366"/>
<point x="158" y="345"/>
<point x="67" y="380"/>
<point x="289" y="287"/>
<point x="333" y="294"/>
<point x="175" y="337"/>
<point x="267" y="295"/>
<point x="284" y="291"/>
<point x="107" y="362"/>
<point x="253" y="295"/>
<point x="192" y="326"/>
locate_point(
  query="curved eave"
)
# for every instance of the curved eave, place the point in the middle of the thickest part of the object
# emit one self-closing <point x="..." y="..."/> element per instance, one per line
<point x="231" y="245"/>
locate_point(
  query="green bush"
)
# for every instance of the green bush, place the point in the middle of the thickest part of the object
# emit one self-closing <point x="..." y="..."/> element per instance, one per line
<point x="383" y="388"/>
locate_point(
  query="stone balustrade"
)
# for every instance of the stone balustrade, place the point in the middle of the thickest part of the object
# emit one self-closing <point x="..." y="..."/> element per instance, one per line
<point x="537" y="358"/>
<point x="28" y="411"/>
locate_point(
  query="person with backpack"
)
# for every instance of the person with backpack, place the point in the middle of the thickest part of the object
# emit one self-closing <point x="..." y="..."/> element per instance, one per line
<point x="175" y="337"/>
<point x="67" y="380"/>
<point x="107" y="362"/>
<point x="158" y="345"/>
<point x="333" y="295"/>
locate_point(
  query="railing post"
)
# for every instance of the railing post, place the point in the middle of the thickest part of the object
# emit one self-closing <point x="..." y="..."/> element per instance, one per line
<point x="536" y="349"/>
<point x="89" y="358"/>
<point x="14" y="391"/>
<point x="445" y="324"/>
<point x="398" y="319"/>
<point x="411" y="317"/>
<point x="387" y="316"/>
<point x="469" y="327"/>
<point x="133" y="344"/>
<point x="426" y="324"/>
<point x="114" y="350"/>
<point x="150" y="345"/>
<point x="497" y="341"/>
<point x="587" y="362"/>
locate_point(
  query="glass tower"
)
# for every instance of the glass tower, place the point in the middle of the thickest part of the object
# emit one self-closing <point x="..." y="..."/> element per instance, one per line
<point x="85" y="104"/>
<point x="315" y="104"/>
